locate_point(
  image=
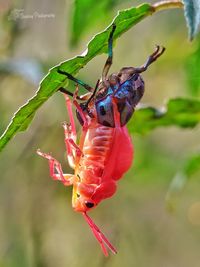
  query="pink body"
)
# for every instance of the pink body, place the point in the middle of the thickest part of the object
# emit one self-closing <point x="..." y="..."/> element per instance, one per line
<point x="103" y="153"/>
<point x="101" y="158"/>
<point x="107" y="154"/>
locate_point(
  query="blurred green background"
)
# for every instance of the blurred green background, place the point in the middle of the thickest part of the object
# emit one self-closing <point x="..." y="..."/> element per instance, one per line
<point x="38" y="225"/>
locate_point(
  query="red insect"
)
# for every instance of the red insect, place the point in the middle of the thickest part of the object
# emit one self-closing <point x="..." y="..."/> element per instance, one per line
<point x="105" y="151"/>
<point x="98" y="162"/>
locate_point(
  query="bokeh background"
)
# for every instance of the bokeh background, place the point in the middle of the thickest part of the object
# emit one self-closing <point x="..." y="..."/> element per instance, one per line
<point x="38" y="227"/>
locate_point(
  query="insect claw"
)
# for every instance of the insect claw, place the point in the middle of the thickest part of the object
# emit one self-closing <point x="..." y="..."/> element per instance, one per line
<point x="158" y="52"/>
<point x="162" y="50"/>
<point x="64" y="124"/>
<point x="157" y="49"/>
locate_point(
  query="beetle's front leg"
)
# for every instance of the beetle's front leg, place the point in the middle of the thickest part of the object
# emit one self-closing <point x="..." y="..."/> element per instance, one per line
<point x="56" y="170"/>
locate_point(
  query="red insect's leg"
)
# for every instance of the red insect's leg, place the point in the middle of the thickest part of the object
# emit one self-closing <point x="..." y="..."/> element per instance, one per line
<point x="99" y="235"/>
<point x="71" y="117"/>
<point x="79" y="109"/>
<point x="73" y="151"/>
<point x="56" y="170"/>
<point x="83" y="117"/>
<point x="116" y="112"/>
<point x="72" y="148"/>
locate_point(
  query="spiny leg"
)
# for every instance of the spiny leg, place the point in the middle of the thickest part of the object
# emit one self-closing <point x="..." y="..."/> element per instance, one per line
<point x="156" y="54"/>
<point x="56" y="170"/>
<point x="101" y="238"/>
<point x="69" y="76"/>
<point x="110" y="54"/>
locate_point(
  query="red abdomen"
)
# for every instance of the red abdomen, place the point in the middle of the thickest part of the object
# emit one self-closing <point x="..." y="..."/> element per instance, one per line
<point x="107" y="155"/>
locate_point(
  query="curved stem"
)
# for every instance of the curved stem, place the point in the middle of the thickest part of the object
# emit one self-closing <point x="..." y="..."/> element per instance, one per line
<point x="166" y="4"/>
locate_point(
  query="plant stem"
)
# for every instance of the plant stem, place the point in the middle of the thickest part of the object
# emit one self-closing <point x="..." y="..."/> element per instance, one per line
<point x="166" y="4"/>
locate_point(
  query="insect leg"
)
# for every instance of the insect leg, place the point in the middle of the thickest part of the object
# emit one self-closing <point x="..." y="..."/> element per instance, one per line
<point x="84" y="119"/>
<point x="93" y="94"/>
<point x="81" y="97"/>
<point x="79" y="109"/>
<point x="70" y="136"/>
<point x="56" y="170"/>
<point x="110" y="54"/>
<point x="99" y="235"/>
<point x="156" y="54"/>
<point x="72" y="148"/>
<point x="70" y="77"/>
<point x="116" y="113"/>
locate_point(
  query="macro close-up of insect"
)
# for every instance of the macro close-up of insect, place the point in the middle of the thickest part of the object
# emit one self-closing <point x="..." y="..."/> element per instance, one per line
<point x="100" y="125"/>
<point x="98" y="160"/>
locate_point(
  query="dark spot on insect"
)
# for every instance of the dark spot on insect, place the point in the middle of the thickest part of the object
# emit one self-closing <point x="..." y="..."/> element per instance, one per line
<point x="78" y="176"/>
<point x="89" y="204"/>
<point x="77" y="195"/>
<point x="105" y="123"/>
<point x="102" y="110"/>
<point x="135" y="76"/>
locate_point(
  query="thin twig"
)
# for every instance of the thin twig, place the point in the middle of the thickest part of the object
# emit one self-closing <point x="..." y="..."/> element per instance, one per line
<point x="166" y="4"/>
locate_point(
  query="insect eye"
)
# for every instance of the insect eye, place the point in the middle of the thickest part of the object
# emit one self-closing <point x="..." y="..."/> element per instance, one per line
<point x="89" y="204"/>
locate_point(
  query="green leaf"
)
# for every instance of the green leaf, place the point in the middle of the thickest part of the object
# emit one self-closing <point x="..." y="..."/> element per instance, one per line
<point x="87" y="14"/>
<point x="53" y="81"/>
<point x="191" y="166"/>
<point x="192" y="16"/>
<point x="192" y="70"/>
<point x="179" y="112"/>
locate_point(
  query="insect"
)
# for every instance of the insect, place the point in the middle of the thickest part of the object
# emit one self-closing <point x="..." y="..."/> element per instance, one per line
<point x="98" y="160"/>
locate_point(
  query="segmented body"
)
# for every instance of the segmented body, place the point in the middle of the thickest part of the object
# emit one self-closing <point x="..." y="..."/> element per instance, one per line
<point x="104" y="152"/>
<point x="103" y="162"/>
<point x="101" y="158"/>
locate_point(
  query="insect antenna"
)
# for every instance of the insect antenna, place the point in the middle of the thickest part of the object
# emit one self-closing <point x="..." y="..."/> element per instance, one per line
<point x="99" y="236"/>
